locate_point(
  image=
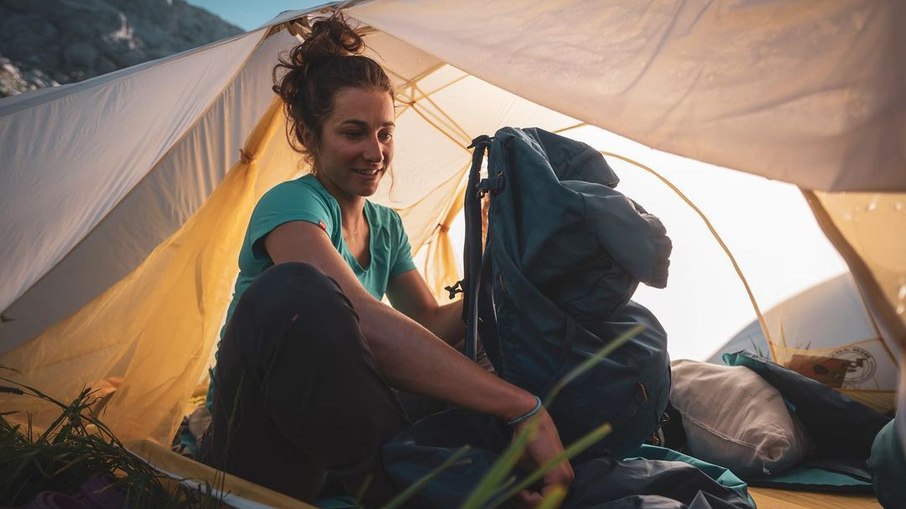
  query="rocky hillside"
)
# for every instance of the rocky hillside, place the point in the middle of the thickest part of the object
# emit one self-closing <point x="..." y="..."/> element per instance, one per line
<point x="51" y="42"/>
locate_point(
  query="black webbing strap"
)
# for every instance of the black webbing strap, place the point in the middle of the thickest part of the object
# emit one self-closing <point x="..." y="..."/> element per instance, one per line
<point x="472" y="251"/>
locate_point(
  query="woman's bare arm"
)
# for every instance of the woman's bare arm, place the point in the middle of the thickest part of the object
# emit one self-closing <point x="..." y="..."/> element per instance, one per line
<point x="410" y="295"/>
<point x="409" y="356"/>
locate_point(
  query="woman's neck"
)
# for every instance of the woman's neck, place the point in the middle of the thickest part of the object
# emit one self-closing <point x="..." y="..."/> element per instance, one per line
<point x="352" y="207"/>
<point x="353" y="215"/>
<point x="356" y="230"/>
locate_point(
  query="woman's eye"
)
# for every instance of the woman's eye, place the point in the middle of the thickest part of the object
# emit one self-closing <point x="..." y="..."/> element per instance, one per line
<point x="352" y="134"/>
<point x="386" y="135"/>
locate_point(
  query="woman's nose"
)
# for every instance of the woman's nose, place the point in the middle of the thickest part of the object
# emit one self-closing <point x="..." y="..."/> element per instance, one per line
<point x="374" y="151"/>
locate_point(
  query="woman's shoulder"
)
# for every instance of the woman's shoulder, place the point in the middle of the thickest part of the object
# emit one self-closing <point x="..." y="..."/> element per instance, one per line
<point x="306" y="188"/>
<point x="304" y="184"/>
<point x="302" y="199"/>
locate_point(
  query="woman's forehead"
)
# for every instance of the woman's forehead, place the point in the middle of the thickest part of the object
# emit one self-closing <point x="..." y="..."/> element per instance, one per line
<point x="370" y="106"/>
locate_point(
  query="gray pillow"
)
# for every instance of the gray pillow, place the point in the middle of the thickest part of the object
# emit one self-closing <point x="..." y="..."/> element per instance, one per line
<point x="734" y="418"/>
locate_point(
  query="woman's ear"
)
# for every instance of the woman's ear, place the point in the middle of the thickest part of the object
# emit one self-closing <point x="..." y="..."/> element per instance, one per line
<point x="307" y="137"/>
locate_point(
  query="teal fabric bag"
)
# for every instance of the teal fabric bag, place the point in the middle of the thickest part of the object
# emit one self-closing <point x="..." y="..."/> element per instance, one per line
<point x="722" y="475"/>
<point x="888" y="467"/>
<point x="600" y="483"/>
<point x="565" y="252"/>
<point x="812" y="478"/>
<point x="842" y="429"/>
<point x="338" y="502"/>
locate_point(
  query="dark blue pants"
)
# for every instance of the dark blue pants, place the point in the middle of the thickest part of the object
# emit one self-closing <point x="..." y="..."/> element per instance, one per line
<point x="297" y="393"/>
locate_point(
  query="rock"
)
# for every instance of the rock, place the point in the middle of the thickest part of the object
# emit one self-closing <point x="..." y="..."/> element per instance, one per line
<point x="51" y="42"/>
<point x="80" y="55"/>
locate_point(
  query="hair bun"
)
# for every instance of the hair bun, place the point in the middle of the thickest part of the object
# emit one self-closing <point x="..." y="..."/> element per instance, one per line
<point x="307" y="80"/>
<point x="331" y="37"/>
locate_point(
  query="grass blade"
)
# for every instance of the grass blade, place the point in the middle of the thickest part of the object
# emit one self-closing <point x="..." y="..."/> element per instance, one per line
<point x="74" y="448"/>
<point x="409" y="492"/>
<point x="575" y="448"/>
<point x="553" y="499"/>
<point x="491" y="483"/>
<point x="591" y="361"/>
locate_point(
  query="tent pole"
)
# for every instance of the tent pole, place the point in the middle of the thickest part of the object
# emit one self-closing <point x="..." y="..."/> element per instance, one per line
<point x="717" y="237"/>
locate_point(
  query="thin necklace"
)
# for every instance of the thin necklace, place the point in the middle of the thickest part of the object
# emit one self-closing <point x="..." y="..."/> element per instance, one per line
<point x="353" y="235"/>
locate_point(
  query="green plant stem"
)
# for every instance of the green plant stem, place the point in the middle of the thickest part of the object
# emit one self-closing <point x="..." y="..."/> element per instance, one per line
<point x="500" y="470"/>
<point x="403" y="497"/>
<point x="66" y="453"/>
<point x="591" y="361"/>
<point x="553" y="499"/>
<point x="575" y="448"/>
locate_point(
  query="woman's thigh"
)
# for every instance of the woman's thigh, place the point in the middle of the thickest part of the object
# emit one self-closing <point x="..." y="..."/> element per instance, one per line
<point x="296" y="389"/>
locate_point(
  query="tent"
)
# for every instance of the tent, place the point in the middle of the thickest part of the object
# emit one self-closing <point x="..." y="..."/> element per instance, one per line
<point x="123" y="198"/>
<point x="825" y="327"/>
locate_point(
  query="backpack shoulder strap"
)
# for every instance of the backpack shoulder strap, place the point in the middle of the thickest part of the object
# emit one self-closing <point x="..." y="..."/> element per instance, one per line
<point x="473" y="249"/>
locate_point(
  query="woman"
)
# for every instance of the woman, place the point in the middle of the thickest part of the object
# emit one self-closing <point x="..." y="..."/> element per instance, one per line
<point x="305" y="366"/>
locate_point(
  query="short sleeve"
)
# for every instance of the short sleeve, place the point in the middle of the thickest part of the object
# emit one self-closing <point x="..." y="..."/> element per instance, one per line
<point x="402" y="260"/>
<point x="290" y="201"/>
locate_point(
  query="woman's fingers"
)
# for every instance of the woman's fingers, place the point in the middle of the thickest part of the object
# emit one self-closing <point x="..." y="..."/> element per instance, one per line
<point x="528" y="499"/>
<point x="543" y="447"/>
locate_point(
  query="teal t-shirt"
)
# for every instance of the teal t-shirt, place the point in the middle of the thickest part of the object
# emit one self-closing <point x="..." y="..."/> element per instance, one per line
<point x="305" y="199"/>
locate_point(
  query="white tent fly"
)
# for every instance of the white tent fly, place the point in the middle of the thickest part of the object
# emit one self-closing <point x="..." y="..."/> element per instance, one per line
<point x="816" y="333"/>
<point x="123" y="198"/>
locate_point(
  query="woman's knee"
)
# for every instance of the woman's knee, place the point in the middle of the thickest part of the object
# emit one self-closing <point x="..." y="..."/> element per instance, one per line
<point x="293" y="288"/>
<point x="292" y="277"/>
<point x="293" y="308"/>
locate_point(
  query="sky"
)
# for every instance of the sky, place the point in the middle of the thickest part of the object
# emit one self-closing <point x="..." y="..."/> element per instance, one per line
<point x="250" y="14"/>
<point x="766" y="224"/>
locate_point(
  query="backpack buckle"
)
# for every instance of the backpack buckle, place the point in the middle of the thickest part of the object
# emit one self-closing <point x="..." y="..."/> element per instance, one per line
<point x="494" y="183"/>
<point x="454" y="289"/>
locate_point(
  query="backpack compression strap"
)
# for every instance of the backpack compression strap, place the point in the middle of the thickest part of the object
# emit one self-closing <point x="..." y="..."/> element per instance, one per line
<point x="472" y="251"/>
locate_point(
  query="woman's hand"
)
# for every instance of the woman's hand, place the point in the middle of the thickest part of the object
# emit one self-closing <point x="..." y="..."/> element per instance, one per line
<point x="544" y="446"/>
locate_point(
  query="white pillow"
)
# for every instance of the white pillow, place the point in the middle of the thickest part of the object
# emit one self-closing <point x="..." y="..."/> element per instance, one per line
<point x="734" y="418"/>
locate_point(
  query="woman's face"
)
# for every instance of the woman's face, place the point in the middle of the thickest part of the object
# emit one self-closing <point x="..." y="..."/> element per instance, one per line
<point x="356" y="144"/>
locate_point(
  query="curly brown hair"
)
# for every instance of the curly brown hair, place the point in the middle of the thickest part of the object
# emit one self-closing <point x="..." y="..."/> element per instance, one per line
<point x="325" y="63"/>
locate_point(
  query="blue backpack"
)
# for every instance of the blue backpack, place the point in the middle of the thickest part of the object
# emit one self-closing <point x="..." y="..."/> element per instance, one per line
<point x="553" y="284"/>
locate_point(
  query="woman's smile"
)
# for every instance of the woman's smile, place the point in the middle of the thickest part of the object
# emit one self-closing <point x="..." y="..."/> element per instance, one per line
<point x="355" y="148"/>
<point x="369" y="173"/>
